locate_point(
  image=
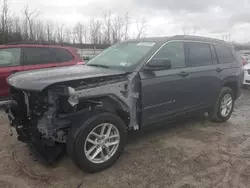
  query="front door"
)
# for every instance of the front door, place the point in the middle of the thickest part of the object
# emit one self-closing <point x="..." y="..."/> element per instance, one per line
<point x="165" y="92"/>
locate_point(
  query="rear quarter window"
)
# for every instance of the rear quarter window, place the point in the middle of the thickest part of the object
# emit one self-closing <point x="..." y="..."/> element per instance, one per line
<point x="224" y="54"/>
<point x="62" y="55"/>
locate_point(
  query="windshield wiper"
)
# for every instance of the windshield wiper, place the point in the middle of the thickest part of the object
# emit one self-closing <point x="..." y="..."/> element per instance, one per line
<point x="97" y="65"/>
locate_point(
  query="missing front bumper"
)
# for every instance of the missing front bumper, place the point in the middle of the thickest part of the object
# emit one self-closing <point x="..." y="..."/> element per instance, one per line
<point x="46" y="149"/>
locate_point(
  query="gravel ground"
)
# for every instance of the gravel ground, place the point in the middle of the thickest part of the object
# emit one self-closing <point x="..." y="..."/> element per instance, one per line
<point x="194" y="153"/>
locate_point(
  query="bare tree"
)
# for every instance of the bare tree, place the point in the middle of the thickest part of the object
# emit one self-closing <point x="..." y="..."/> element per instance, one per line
<point x="107" y="27"/>
<point x="60" y="32"/>
<point x="6" y="20"/>
<point x="16" y="25"/>
<point x="30" y="16"/>
<point x="68" y="35"/>
<point x="39" y="32"/>
<point x="85" y="33"/>
<point x="117" y="29"/>
<point x="95" y="31"/>
<point x="141" y="26"/>
<point x="49" y="31"/>
<point x="194" y="30"/>
<point x="185" y="30"/>
<point x="126" y="25"/>
<point x="79" y="30"/>
<point x="111" y="29"/>
<point x="25" y="30"/>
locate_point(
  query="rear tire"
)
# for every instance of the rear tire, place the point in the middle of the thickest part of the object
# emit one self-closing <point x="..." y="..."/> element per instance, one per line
<point x="78" y="141"/>
<point x="217" y="113"/>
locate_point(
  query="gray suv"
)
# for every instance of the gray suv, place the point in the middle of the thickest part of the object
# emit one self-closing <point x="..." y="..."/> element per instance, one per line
<point x="87" y="110"/>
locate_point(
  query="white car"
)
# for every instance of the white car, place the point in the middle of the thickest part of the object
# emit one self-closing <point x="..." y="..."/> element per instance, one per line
<point x="246" y="80"/>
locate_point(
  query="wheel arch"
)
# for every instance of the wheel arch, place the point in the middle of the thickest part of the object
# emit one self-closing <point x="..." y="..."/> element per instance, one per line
<point x="111" y="103"/>
<point x="232" y="84"/>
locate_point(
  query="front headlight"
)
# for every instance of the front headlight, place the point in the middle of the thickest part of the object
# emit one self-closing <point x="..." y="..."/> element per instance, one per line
<point x="71" y="91"/>
<point x="73" y="99"/>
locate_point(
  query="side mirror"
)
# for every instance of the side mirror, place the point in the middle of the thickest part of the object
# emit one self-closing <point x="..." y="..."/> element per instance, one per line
<point x="158" y="64"/>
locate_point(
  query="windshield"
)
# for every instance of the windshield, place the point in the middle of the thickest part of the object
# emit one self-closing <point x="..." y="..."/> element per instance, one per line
<point x="122" y="55"/>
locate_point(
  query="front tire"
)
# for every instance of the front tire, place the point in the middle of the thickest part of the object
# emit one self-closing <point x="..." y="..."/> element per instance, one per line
<point x="97" y="141"/>
<point x="223" y="108"/>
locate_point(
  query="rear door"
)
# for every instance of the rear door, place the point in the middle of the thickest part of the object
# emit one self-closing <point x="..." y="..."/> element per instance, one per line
<point x="9" y="64"/>
<point x="63" y="57"/>
<point x="37" y="58"/>
<point x="204" y="74"/>
<point x="227" y="61"/>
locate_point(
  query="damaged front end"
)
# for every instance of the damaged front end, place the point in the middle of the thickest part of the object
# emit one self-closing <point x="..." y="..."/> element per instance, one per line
<point x="33" y="115"/>
<point x="44" y="118"/>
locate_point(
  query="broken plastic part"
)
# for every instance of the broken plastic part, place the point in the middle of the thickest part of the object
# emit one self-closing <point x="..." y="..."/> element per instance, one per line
<point x="125" y="92"/>
<point x="73" y="100"/>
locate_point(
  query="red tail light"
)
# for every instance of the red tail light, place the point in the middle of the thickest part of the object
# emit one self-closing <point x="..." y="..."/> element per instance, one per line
<point x="244" y="62"/>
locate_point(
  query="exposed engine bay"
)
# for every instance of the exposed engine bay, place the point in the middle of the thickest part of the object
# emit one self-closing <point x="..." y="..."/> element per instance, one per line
<point x="44" y="118"/>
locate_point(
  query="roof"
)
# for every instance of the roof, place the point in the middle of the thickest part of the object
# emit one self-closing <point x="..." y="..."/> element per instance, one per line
<point x="90" y="46"/>
<point x="63" y="45"/>
<point x="33" y="45"/>
<point x="180" y="37"/>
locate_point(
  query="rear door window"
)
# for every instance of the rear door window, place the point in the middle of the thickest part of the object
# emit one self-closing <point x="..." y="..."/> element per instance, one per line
<point x="10" y="57"/>
<point x="198" y="54"/>
<point x="62" y="55"/>
<point x="35" y="56"/>
<point x="224" y="54"/>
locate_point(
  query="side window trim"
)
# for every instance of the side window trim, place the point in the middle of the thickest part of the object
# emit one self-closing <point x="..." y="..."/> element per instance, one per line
<point x="230" y="49"/>
<point x="22" y="57"/>
<point x="167" y="43"/>
<point x="214" y="53"/>
<point x="188" y="53"/>
<point x="211" y="55"/>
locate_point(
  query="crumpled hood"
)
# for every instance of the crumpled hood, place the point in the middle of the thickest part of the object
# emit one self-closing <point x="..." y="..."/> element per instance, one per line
<point x="37" y="80"/>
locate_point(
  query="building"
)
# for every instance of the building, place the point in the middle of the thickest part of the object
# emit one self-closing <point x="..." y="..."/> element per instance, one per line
<point x="87" y="51"/>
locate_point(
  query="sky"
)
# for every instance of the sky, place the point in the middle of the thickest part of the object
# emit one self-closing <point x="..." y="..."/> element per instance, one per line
<point x="212" y="18"/>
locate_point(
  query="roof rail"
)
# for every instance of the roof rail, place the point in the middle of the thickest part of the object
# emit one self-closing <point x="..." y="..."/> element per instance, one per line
<point x="200" y="37"/>
<point x="41" y="43"/>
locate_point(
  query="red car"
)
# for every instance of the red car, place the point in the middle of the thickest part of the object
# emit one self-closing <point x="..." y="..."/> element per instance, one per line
<point x="22" y="57"/>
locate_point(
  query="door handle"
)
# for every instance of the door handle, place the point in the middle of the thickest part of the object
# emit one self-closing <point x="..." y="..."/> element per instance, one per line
<point x="184" y="74"/>
<point x="219" y="69"/>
